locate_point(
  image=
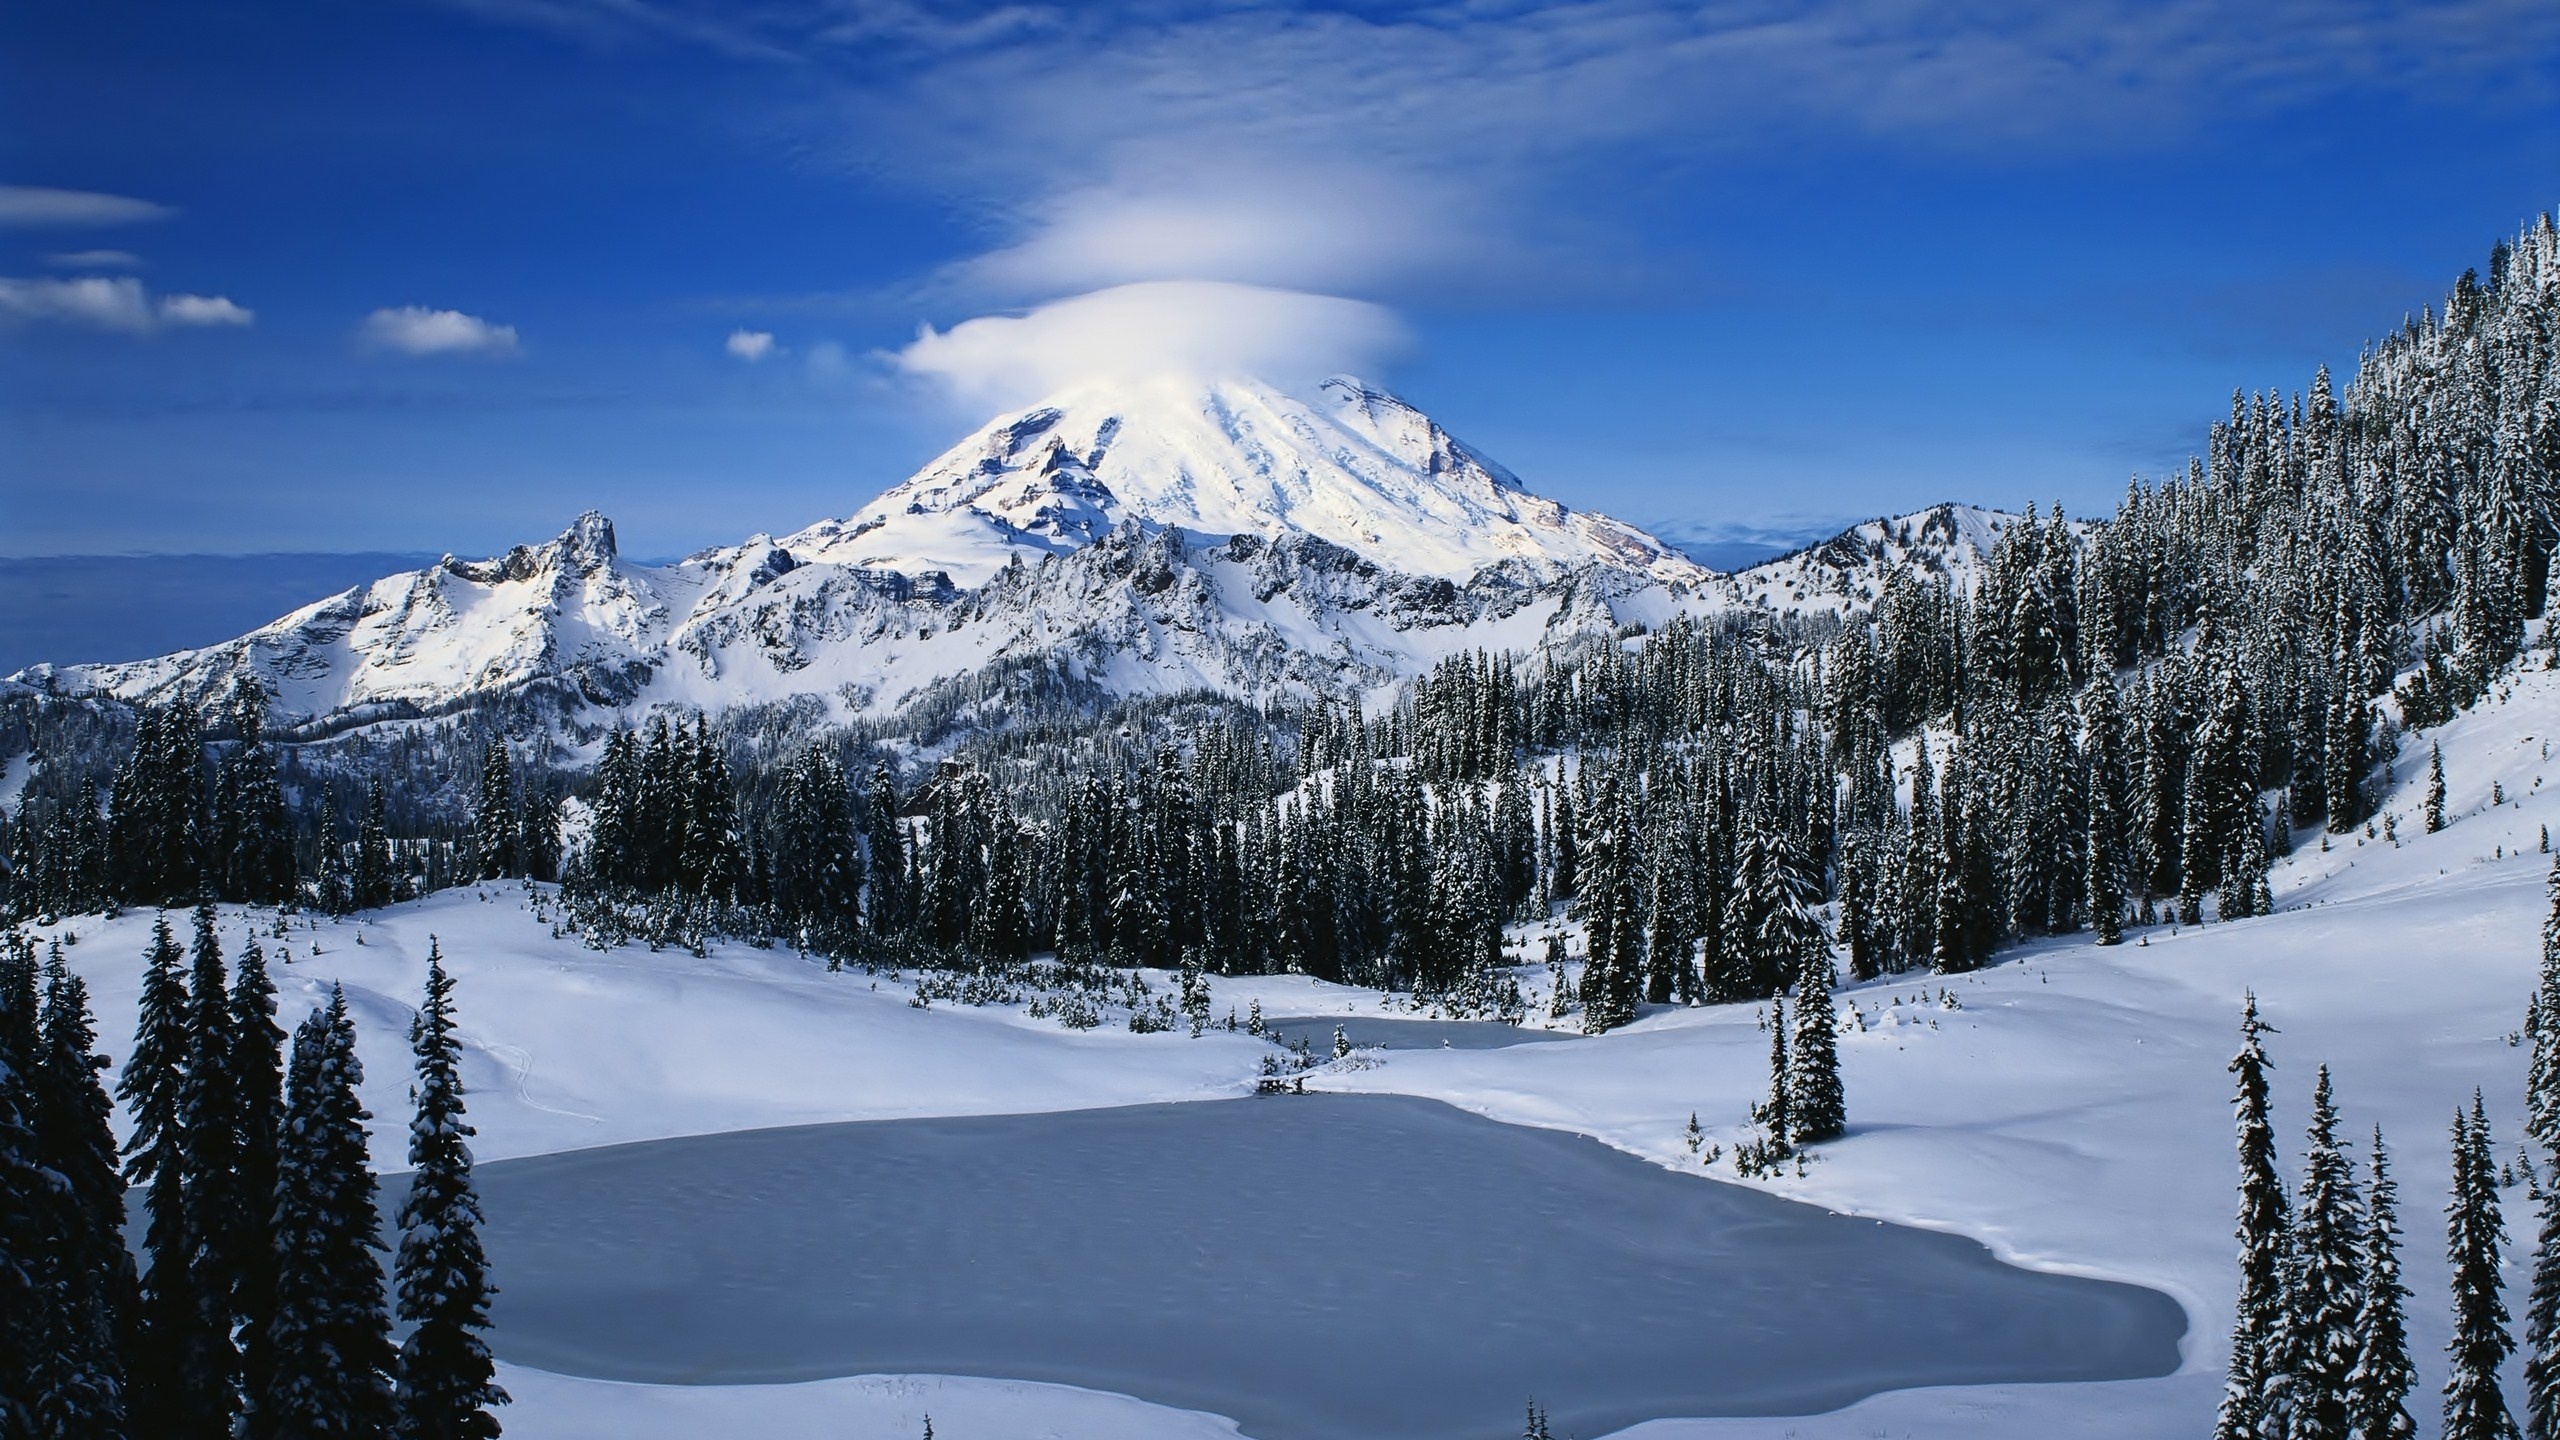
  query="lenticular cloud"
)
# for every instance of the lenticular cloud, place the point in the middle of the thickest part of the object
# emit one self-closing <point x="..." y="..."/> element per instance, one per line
<point x="1191" y="327"/>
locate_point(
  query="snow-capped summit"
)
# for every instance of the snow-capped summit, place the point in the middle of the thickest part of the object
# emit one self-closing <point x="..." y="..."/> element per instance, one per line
<point x="1150" y="537"/>
<point x="1355" y="466"/>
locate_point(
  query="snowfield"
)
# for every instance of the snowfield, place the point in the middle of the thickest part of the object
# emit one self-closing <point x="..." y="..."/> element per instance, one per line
<point x="2072" y="1113"/>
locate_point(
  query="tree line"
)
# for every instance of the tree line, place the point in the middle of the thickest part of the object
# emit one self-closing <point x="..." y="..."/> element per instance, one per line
<point x="259" y="1307"/>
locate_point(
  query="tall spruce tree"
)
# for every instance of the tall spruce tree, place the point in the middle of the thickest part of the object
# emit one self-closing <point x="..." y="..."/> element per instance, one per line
<point x="447" y="1379"/>
<point x="2315" y="1349"/>
<point x="2474" y="1407"/>
<point x="2258" y="1311"/>
<point x="257" y="1092"/>
<point x="79" y="1387"/>
<point x="2542" y="1324"/>
<point x="2379" y="1385"/>
<point x="168" y="1310"/>
<point x="1817" y="1109"/>
<point x="331" y="1334"/>
<point x="209" y="1153"/>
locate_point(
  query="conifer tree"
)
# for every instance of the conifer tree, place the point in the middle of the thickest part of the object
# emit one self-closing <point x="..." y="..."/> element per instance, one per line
<point x="2474" y="1407"/>
<point x="2542" y="1325"/>
<point x="1773" y="1114"/>
<point x="2103" y="852"/>
<point x="151" y="1087"/>
<point x="493" y="819"/>
<point x="257" y="1092"/>
<point x="1817" y="1109"/>
<point x="209" y="1127"/>
<point x="2435" y="788"/>
<point x="2258" y="1311"/>
<point x="2315" y="1350"/>
<point x="29" y="1193"/>
<point x="79" y="1388"/>
<point x="446" y="1375"/>
<point x="2379" y="1384"/>
<point x="333" y="1357"/>
<point x="373" y="877"/>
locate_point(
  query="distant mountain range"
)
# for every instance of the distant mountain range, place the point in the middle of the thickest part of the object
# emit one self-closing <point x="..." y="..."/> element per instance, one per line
<point x="1140" y="538"/>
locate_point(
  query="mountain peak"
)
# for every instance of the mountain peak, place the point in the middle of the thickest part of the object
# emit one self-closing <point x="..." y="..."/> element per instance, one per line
<point x="1354" y="465"/>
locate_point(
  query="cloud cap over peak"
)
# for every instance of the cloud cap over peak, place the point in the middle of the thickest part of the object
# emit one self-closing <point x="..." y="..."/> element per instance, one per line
<point x="1200" y="327"/>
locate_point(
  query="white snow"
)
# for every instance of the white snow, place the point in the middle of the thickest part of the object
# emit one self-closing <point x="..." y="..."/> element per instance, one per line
<point x="2072" y="1114"/>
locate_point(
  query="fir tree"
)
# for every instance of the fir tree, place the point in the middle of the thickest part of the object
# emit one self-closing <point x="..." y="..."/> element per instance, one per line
<point x="257" y="1092"/>
<point x="2315" y="1350"/>
<point x="2435" y="788"/>
<point x="2474" y="1407"/>
<point x="1816" y="1108"/>
<point x="447" y="1384"/>
<point x="151" y="1087"/>
<point x="331" y="1334"/>
<point x="79" y="1387"/>
<point x="2542" y="1324"/>
<point x="209" y="1128"/>
<point x="2259" y="1310"/>
<point x="2378" y="1386"/>
<point x="493" y="819"/>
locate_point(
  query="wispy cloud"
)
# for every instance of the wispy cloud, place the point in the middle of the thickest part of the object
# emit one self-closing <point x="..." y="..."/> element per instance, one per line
<point x="95" y="260"/>
<point x="117" y="303"/>
<point x="750" y="345"/>
<point x="30" y="207"/>
<point x="213" y="311"/>
<point x="418" y="330"/>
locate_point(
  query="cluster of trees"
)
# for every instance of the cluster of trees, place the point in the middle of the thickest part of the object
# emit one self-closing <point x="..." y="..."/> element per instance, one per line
<point x="259" y="1307"/>
<point x="2319" y="1342"/>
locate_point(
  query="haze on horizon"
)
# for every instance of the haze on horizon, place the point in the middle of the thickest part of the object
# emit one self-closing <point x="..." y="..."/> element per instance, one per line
<point x="436" y="276"/>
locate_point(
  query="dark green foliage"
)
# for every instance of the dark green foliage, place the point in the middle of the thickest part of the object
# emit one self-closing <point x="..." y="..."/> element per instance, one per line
<point x="446" y="1385"/>
<point x="2258" y="1312"/>
<point x="1817" y="1108"/>
<point x="333" y="1360"/>
<point x="2379" y="1384"/>
<point x="2474" y="1407"/>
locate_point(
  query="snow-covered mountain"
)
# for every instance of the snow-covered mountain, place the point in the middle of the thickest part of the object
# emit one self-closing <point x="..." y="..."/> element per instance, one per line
<point x="1143" y="538"/>
<point x="1357" y="467"/>
<point x="1847" y="571"/>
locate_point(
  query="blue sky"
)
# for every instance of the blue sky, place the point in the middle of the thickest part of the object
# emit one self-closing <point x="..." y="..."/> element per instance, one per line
<point x="306" y="275"/>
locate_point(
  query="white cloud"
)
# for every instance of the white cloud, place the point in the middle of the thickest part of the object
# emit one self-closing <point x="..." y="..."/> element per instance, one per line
<point x="102" y="302"/>
<point x="95" y="260"/>
<point x="204" y="310"/>
<point x="33" y="206"/>
<point x="1166" y="326"/>
<point x="750" y="345"/>
<point x="92" y="300"/>
<point x="417" y="330"/>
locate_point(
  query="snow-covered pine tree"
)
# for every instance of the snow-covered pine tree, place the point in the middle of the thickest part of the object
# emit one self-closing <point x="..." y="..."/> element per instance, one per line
<point x="2103" y="853"/>
<point x="1817" y="1109"/>
<point x="2542" y="1324"/>
<point x="2474" y="1407"/>
<point x="168" y="1311"/>
<point x="1772" y="1115"/>
<point x="2258" y="1310"/>
<point x="257" y="1090"/>
<point x="209" y="1153"/>
<point x="446" y="1375"/>
<point x="2379" y="1384"/>
<point x="2314" y="1350"/>
<point x="2435" y="788"/>
<point x="493" y="818"/>
<point x="79" y="1386"/>
<point x="333" y="1355"/>
<point x="29" y="1195"/>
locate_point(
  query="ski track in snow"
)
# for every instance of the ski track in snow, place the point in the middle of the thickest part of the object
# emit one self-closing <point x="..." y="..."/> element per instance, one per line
<point x="2074" y="1114"/>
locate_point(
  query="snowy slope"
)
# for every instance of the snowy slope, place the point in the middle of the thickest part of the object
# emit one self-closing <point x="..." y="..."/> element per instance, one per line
<point x="2072" y="1114"/>
<point x="1146" y="539"/>
<point x="1847" y="571"/>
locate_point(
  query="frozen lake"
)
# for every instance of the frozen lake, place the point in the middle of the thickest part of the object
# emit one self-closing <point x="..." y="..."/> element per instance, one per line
<point x="1332" y="1267"/>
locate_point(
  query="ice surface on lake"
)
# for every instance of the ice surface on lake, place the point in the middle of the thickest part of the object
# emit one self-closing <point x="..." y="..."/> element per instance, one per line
<point x="1327" y="1267"/>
